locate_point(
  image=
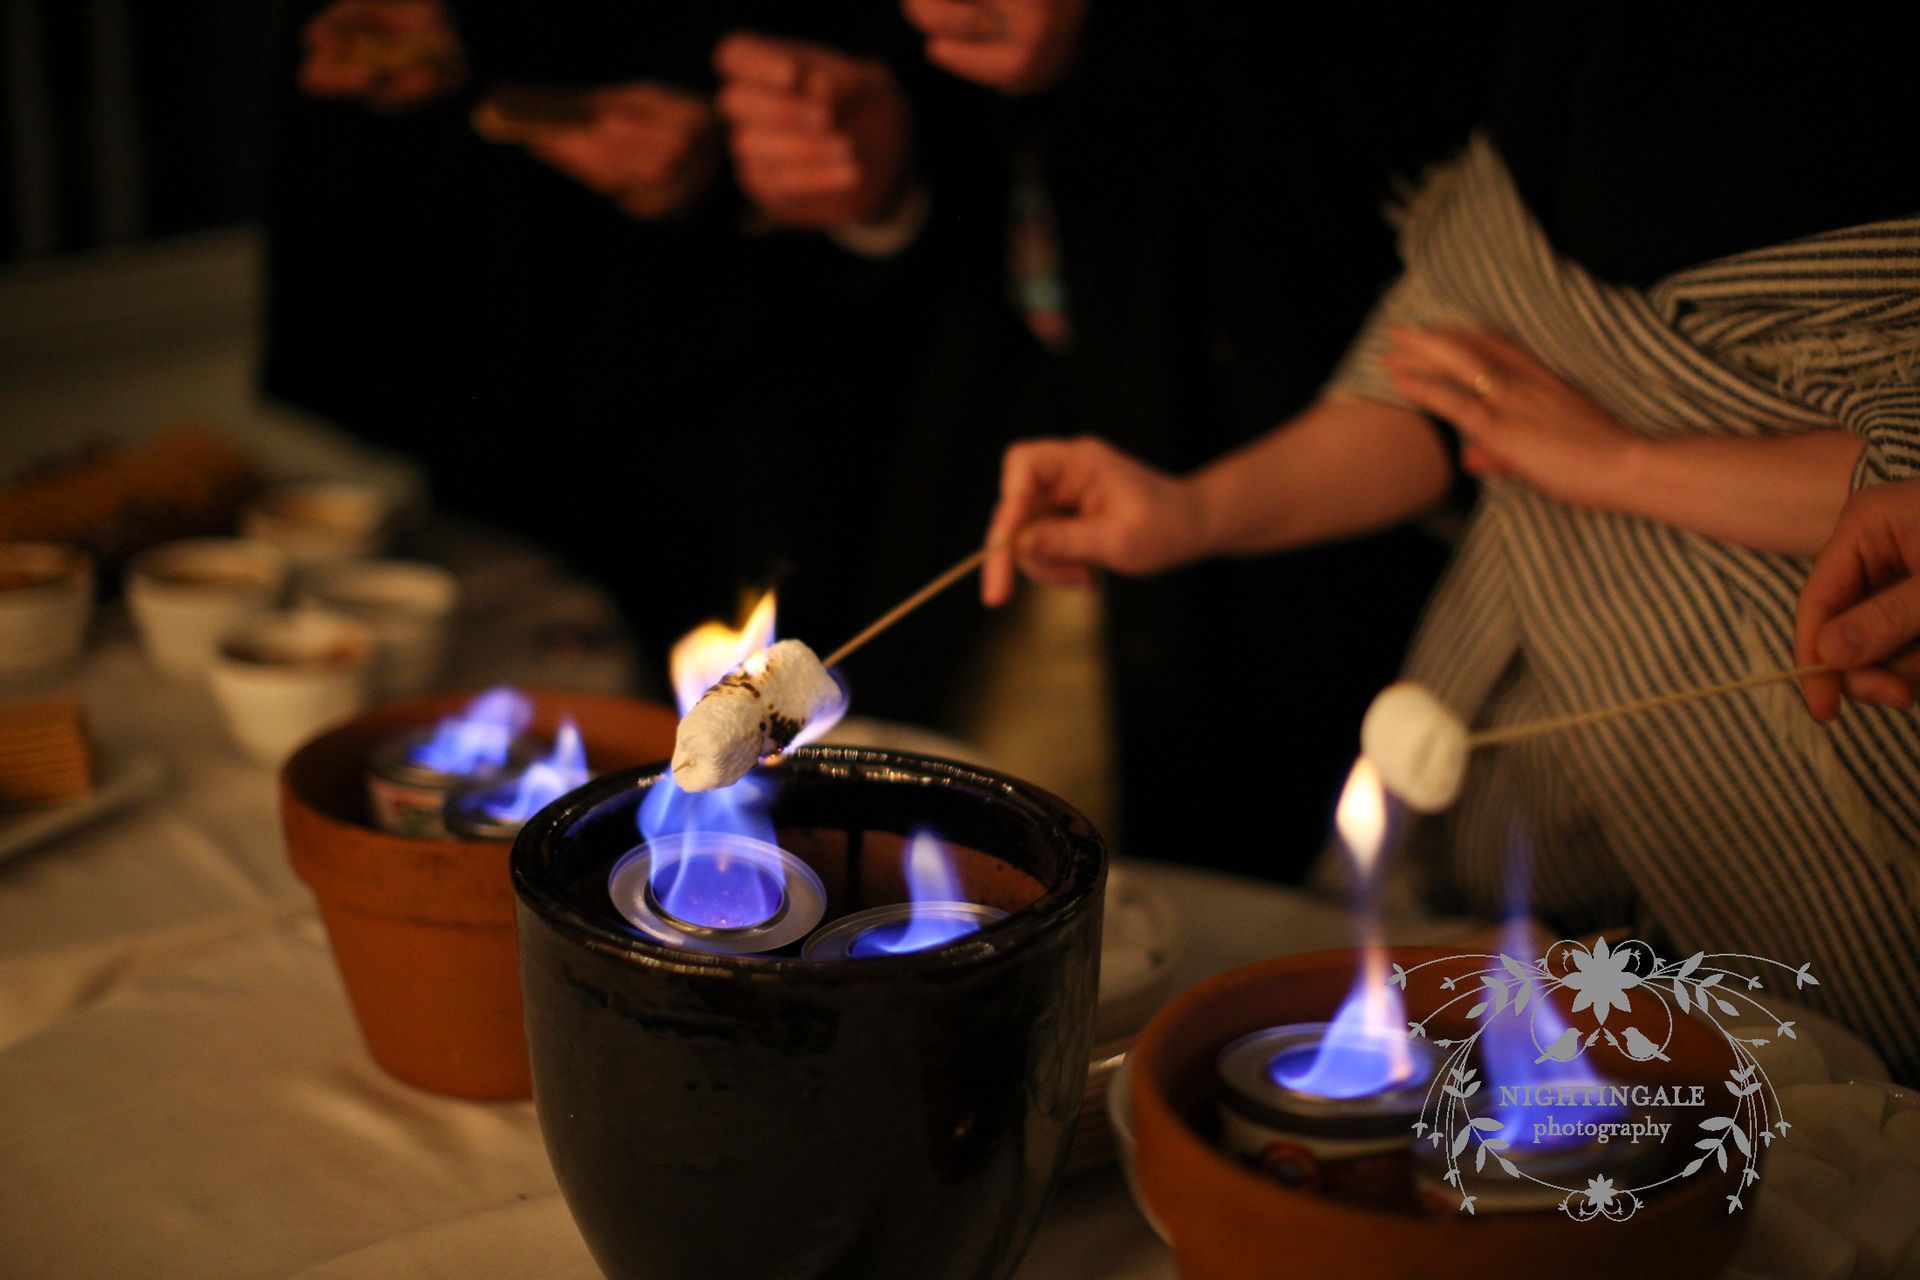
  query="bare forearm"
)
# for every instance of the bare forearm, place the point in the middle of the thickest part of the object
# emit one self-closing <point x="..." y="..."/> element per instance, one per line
<point x="1341" y="468"/>
<point x="1772" y="494"/>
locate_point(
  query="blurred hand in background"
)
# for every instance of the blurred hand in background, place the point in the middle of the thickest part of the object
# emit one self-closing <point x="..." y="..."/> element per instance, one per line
<point x="1015" y="46"/>
<point x="1860" y="608"/>
<point x="819" y="138"/>
<point x="652" y="149"/>
<point x="391" y="55"/>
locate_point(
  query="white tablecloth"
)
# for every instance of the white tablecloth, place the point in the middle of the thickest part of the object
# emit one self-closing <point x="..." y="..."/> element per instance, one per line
<point x="183" y="1091"/>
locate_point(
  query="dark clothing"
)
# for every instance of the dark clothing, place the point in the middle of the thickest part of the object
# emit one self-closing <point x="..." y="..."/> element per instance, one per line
<point x="1220" y="173"/>
<point x="686" y="408"/>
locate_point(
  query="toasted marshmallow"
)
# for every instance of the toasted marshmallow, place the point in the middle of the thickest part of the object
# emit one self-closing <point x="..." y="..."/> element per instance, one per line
<point x="759" y="709"/>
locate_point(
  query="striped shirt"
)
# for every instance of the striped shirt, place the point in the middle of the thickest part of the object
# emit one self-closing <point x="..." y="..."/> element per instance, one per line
<point x="1735" y="824"/>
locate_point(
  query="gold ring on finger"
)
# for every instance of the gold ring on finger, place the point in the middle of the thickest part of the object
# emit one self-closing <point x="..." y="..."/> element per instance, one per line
<point x="1484" y="384"/>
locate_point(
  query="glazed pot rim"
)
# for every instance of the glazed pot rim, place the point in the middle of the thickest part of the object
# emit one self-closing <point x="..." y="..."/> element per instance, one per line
<point x="1060" y="904"/>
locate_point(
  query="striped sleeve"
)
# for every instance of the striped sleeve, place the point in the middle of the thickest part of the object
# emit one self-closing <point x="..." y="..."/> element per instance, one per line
<point x="1410" y="300"/>
<point x="1359" y="375"/>
<point x="1889" y="419"/>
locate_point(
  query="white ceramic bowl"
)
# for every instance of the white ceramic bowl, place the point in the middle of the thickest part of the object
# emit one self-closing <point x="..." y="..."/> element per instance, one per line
<point x="46" y="597"/>
<point x="185" y="595"/>
<point x="319" y="520"/>
<point x="283" y="677"/>
<point x="407" y="605"/>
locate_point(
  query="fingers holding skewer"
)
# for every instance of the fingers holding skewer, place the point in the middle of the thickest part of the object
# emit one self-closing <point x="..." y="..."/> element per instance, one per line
<point x="1860" y="608"/>
<point x="1080" y="505"/>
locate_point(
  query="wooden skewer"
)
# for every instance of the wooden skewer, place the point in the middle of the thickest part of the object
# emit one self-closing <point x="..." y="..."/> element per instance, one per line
<point x="920" y="597"/>
<point x="1534" y="728"/>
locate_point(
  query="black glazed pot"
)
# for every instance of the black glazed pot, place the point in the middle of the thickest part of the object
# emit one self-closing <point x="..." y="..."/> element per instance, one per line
<point x="901" y="1116"/>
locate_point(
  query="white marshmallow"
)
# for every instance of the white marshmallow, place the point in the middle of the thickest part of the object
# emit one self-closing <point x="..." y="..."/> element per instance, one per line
<point x="1418" y="745"/>
<point x="775" y="698"/>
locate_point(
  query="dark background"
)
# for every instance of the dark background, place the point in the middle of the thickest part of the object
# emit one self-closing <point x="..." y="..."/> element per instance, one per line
<point x="123" y="121"/>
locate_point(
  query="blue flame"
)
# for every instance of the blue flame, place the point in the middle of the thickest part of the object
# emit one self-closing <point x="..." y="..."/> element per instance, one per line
<point x="479" y="739"/>
<point x="1511" y="1042"/>
<point x="715" y="890"/>
<point x="930" y="881"/>
<point x="543" y="781"/>
<point x="1358" y="1055"/>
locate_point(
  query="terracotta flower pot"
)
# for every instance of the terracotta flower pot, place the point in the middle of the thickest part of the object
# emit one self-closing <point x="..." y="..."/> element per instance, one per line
<point x="1228" y="1221"/>
<point x="423" y="930"/>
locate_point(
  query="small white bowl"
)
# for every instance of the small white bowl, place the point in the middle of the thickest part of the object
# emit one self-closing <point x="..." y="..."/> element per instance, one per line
<point x="46" y="597"/>
<point x="407" y="605"/>
<point x="319" y="520"/>
<point x="185" y="595"/>
<point x="282" y="677"/>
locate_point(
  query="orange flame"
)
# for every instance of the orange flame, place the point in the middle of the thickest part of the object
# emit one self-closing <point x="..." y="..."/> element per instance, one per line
<point x="712" y="649"/>
<point x="1361" y="818"/>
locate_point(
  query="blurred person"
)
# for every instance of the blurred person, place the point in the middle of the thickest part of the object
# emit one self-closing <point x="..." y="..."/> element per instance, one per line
<point x="391" y="55"/>
<point x="1017" y="47"/>
<point x="628" y="334"/>
<point x="819" y="139"/>
<point x="1215" y="176"/>
<point x="1860" y="608"/>
<point x="651" y="149"/>
<point x="1672" y="365"/>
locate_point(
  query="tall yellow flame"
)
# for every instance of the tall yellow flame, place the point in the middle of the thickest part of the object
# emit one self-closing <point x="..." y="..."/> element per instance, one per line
<point x="1361" y="817"/>
<point x="712" y="649"/>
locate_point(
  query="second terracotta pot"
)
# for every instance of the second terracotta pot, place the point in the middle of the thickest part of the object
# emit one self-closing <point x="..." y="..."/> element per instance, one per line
<point x="423" y="930"/>
<point x="1227" y="1221"/>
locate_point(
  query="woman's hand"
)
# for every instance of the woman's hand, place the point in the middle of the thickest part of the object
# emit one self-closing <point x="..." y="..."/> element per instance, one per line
<point x="1518" y="417"/>
<point x="1860" y="608"/>
<point x="393" y="55"/>
<point x="819" y="138"/>
<point x="1068" y="506"/>
<point x="1015" y="46"/>
<point x="650" y="148"/>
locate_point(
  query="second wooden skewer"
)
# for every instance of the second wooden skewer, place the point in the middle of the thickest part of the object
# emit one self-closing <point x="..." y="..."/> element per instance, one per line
<point x="1594" y="715"/>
